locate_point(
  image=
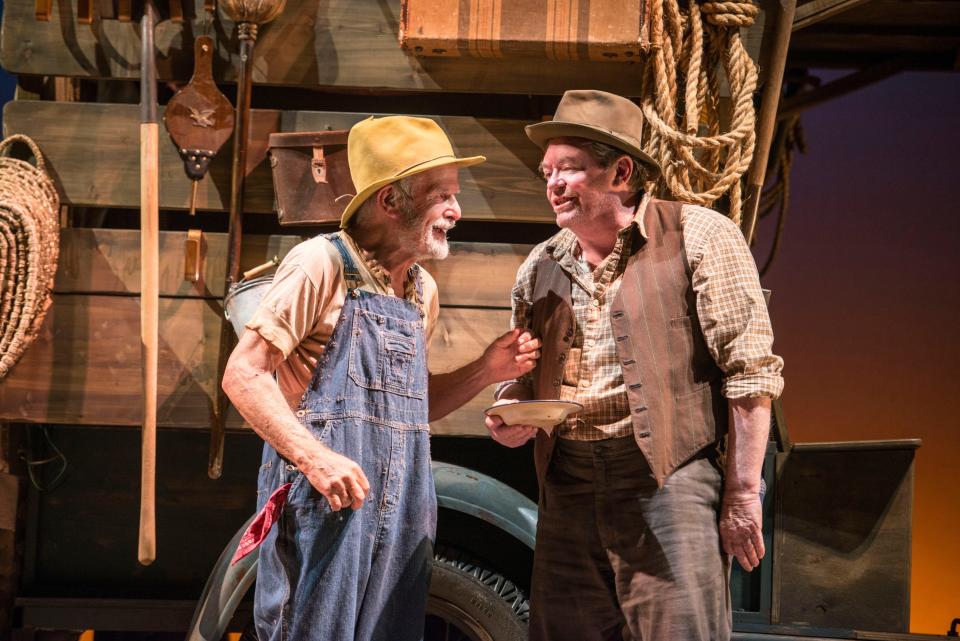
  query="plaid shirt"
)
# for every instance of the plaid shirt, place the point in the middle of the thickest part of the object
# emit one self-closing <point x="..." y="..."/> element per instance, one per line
<point x="730" y="305"/>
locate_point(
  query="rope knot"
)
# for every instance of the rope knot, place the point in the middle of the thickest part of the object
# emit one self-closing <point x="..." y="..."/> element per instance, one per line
<point x="730" y="14"/>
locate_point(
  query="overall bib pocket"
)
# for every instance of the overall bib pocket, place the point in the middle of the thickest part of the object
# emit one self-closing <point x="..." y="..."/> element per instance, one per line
<point x="391" y="364"/>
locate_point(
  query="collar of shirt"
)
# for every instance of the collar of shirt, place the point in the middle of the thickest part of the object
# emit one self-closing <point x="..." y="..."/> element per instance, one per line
<point x="565" y="249"/>
<point x="379" y="273"/>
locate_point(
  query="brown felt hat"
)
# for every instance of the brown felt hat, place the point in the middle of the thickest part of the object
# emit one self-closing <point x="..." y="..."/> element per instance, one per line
<point x="596" y="115"/>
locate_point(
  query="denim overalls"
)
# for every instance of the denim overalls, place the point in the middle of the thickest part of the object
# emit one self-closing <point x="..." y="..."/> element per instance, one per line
<point x="356" y="575"/>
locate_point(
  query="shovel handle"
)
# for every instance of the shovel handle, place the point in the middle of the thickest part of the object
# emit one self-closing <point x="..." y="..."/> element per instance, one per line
<point x="149" y="327"/>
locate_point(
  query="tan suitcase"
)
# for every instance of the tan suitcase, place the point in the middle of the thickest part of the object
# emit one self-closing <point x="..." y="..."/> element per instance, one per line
<point x="616" y="30"/>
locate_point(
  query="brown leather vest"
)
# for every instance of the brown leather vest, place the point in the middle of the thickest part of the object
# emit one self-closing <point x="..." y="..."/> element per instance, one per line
<point x="672" y="383"/>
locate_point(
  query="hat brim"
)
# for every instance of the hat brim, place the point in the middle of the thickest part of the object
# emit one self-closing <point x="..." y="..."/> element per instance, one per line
<point x="372" y="188"/>
<point x="541" y="133"/>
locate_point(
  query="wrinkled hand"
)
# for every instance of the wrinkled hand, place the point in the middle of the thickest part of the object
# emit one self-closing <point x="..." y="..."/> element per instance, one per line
<point x="740" y="528"/>
<point x="511" y="355"/>
<point x="340" y="480"/>
<point x="508" y="435"/>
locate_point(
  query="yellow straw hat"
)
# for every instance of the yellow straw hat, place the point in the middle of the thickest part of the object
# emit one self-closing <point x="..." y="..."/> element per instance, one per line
<point x="384" y="150"/>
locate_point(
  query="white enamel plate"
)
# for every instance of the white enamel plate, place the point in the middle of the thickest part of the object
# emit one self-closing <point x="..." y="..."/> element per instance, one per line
<point x="542" y="414"/>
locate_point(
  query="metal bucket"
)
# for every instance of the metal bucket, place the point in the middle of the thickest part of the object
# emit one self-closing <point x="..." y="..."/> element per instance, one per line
<point x="243" y="299"/>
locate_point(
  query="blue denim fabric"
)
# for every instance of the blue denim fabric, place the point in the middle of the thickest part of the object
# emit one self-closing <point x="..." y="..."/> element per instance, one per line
<point x="356" y="575"/>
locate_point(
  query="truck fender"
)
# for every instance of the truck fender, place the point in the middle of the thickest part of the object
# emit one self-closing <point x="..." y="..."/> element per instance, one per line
<point x="484" y="497"/>
<point x="224" y="590"/>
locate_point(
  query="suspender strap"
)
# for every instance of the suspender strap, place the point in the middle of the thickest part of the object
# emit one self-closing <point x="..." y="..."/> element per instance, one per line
<point x="352" y="275"/>
<point x="350" y="272"/>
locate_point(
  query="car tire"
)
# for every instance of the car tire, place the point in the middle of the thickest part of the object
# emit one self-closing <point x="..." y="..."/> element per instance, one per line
<point x="468" y="602"/>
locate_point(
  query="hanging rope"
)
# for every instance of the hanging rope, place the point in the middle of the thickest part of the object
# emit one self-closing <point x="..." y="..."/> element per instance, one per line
<point x="29" y="244"/>
<point x="681" y="100"/>
<point x="777" y="196"/>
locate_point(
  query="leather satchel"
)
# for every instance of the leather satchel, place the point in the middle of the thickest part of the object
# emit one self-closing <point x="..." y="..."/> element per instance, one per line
<point x="311" y="178"/>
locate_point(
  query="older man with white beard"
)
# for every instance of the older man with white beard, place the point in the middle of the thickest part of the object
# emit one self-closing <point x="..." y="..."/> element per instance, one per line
<point x="348" y="511"/>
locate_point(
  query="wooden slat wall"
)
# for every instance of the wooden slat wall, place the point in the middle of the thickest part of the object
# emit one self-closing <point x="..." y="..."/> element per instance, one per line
<point x="85" y="367"/>
<point x="92" y="152"/>
<point x="107" y="261"/>
<point x="333" y="43"/>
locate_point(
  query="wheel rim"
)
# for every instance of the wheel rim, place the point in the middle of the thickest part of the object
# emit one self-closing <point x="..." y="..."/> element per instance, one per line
<point x="450" y="614"/>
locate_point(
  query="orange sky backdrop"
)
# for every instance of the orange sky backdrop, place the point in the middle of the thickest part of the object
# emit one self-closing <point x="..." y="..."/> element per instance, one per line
<point x="866" y="297"/>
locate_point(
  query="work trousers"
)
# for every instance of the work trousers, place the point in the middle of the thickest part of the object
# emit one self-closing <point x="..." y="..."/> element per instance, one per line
<point x="618" y="558"/>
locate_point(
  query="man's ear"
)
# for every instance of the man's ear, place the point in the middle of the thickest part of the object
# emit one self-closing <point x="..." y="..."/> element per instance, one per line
<point x="624" y="167"/>
<point x="387" y="200"/>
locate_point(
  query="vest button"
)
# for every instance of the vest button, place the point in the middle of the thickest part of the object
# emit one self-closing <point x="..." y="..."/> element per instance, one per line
<point x="556" y="382"/>
<point x="562" y="357"/>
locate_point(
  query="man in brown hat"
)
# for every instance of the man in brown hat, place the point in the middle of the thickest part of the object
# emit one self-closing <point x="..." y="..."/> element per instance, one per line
<point x="346" y="495"/>
<point x="651" y="316"/>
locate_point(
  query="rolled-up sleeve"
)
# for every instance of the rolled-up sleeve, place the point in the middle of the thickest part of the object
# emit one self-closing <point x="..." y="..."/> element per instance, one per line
<point x="730" y="304"/>
<point x="289" y="310"/>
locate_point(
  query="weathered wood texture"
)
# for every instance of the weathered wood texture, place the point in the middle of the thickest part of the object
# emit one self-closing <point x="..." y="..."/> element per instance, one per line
<point x="850" y="33"/>
<point x="333" y="43"/>
<point x="91" y="149"/>
<point x="97" y="261"/>
<point x="84" y="368"/>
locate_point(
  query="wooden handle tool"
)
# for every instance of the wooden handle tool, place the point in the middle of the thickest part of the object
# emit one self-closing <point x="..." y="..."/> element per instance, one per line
<point x="149" y="285"/>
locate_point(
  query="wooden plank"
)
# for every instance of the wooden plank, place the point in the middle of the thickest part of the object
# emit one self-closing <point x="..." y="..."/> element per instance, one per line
<point x="461" y="336"/>
<point x="330" y="43"/>
<point x="916" y="13"/>
<point x="478" y="274"/>
<point x="91" y="150"/>
<point x="85" y="366"/>
<point x="848" y="41"/>
<point x="100" y="261"/>
<point x="815" y="11"/>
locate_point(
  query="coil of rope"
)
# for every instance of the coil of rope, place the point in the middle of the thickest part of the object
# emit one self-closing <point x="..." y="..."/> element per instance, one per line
<point x="681" y="100"/>
<point x="29" y="245"/>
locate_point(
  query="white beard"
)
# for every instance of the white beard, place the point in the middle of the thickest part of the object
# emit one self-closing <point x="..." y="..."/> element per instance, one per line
<point x="429" y="245"/>
<point x="436" y="248"/>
